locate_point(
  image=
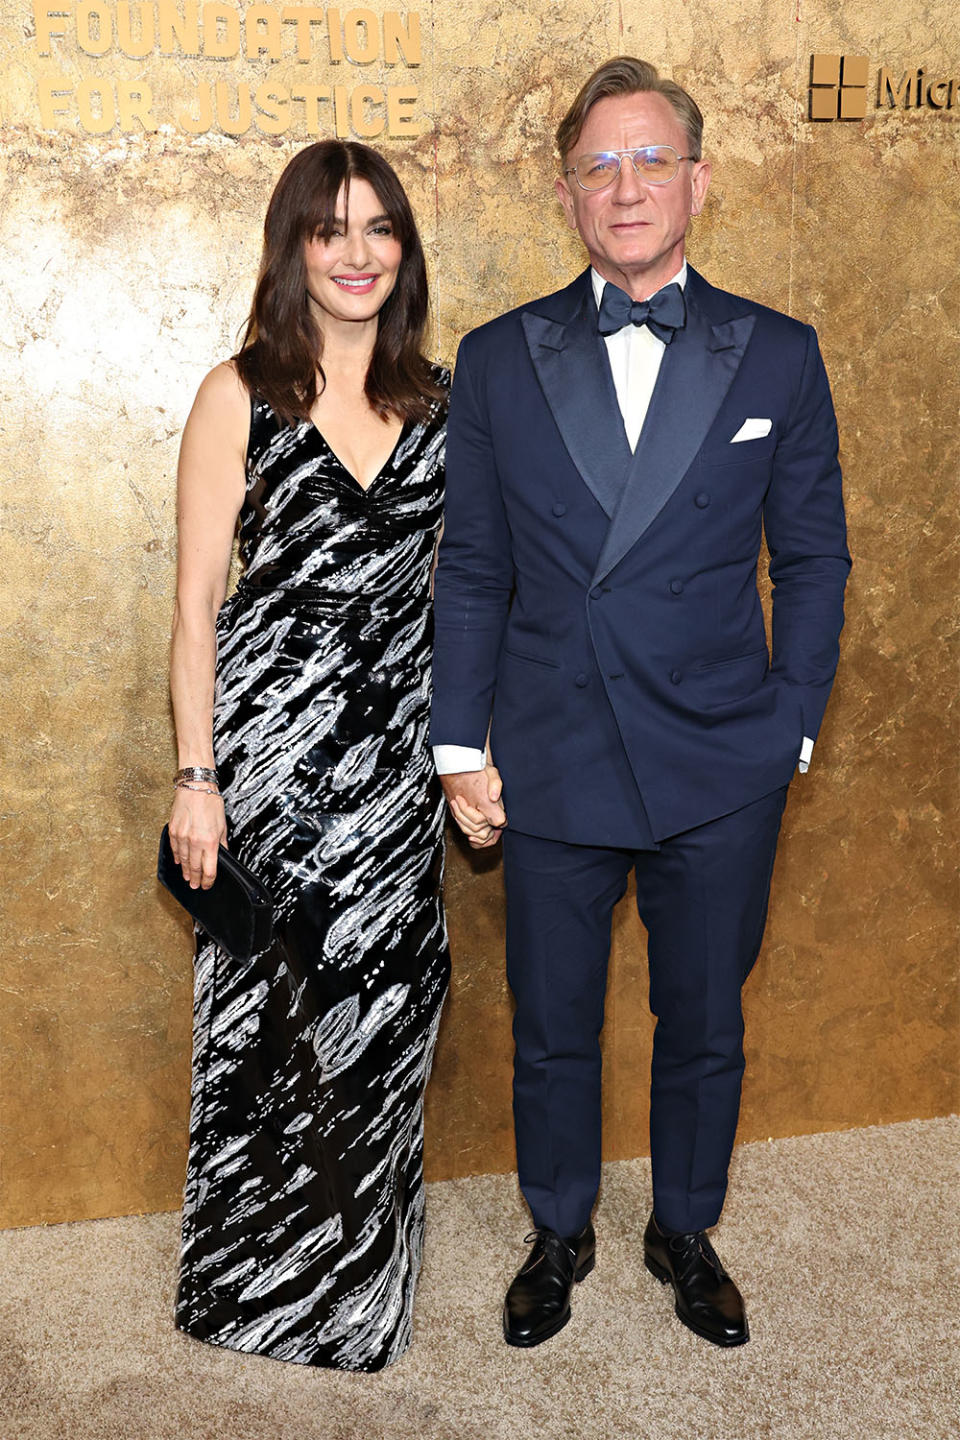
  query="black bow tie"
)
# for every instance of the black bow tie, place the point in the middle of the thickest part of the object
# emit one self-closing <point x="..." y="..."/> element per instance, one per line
<point x="664" y="313"/>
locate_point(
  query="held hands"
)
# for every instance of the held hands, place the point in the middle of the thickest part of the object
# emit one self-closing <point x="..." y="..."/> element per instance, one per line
<point x="474" y="800"/>
<point x="197" y="827"/>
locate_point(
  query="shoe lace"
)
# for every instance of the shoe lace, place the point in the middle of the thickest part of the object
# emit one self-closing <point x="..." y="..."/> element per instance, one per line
<point x="548" y="1239"/>
<point x="696" y="1246"/>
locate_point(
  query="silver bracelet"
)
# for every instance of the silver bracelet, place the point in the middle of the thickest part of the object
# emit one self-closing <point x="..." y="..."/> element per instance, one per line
<point x="197" y="789"/>
<point x="197" y="772"/>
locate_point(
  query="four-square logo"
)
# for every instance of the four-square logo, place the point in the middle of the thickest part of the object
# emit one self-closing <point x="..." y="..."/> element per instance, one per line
<point x="838" y="87"/>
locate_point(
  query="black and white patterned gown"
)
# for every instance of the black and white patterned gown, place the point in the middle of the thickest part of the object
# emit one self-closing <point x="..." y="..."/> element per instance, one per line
<point x="303" y="1206"/>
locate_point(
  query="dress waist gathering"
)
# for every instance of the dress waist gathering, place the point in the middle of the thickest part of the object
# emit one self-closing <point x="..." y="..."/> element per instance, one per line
<point x="320" y="601"/>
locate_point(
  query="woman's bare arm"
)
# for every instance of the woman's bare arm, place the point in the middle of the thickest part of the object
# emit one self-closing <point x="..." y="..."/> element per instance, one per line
<point x="210" y="490"/>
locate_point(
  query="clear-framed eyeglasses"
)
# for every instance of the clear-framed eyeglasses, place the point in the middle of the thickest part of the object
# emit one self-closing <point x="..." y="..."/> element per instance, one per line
<point x="654" y="164"/>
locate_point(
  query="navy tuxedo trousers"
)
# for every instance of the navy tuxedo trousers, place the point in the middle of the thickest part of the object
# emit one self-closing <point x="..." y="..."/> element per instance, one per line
<point x="702" y="896"/>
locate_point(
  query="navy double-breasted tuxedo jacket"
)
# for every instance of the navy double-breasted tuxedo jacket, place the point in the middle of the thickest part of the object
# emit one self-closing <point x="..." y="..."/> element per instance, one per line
<point x="604" y="604"/>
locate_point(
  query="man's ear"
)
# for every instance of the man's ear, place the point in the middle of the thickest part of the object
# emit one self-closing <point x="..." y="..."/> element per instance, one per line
<point x="566" y="200"/>
<point x="701" y="183"/>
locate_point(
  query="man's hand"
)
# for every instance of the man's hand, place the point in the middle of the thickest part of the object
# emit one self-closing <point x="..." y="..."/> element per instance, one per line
<point x="474" y="800"/>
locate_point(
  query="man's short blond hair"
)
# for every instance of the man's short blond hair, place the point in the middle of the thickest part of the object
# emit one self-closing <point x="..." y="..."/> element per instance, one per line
<point x="627" y="76"/>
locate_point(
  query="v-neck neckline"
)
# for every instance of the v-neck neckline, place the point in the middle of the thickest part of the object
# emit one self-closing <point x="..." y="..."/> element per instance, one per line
<point x="387" y="464"/>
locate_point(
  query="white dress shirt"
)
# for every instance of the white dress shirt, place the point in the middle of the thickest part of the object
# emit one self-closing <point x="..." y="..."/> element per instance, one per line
<point x="635" y="354"/>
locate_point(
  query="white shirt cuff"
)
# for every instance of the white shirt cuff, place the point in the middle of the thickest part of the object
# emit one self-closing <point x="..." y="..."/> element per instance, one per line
<point x="806" y="750"/>
<point x="457" y="759"/>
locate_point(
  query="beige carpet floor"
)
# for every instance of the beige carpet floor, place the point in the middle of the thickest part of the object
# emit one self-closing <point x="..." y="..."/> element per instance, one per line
<point x="845" y="1246"/>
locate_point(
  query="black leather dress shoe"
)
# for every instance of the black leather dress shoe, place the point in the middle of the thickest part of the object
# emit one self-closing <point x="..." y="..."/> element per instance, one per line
<point x="708" y="1302"/>
<point x="538" y="1301"/>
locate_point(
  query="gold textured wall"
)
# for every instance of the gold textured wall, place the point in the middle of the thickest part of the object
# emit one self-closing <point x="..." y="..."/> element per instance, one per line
<point x="129" y="259"/>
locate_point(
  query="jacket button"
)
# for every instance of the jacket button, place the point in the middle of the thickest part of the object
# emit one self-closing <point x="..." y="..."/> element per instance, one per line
<point x="595" y="593"/>
<point x="581" y="681"/>
<point x="676" y="587"/>
<point x="559" y="509"/>
<point x="675" y="677"/>
<point x="702" y="501"/>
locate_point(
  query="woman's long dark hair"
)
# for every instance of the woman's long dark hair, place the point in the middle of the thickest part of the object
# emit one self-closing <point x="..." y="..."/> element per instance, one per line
<point x="282" y="346"/>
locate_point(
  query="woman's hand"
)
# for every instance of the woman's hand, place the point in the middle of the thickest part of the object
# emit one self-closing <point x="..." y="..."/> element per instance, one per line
<point x="475" y="804"/>
<point x="197" y="827"/>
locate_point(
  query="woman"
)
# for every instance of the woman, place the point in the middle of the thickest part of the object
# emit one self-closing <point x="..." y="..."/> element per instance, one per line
<point x="301" y="715"/>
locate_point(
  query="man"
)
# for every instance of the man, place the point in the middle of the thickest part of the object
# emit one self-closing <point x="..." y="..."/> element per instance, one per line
<point x="615" y="452"/>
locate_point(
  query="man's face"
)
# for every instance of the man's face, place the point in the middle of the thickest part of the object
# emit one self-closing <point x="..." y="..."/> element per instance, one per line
<point x="634" y="231"/>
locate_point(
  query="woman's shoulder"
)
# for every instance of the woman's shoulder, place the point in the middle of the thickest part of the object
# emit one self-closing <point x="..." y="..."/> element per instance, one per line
<point x="222" y="387"/>
<point x="221" y="409"/>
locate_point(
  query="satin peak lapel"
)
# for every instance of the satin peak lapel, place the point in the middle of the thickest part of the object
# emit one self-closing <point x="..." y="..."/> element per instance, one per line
<point x="695" y="374"/>
<point x="574" y="373"/>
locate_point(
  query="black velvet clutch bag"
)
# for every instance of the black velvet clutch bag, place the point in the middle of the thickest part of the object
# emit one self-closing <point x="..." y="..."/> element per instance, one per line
<point x="237" y="910"/>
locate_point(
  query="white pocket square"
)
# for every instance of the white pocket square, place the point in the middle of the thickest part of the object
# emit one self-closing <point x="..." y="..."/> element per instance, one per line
<point x="752" y="430"/>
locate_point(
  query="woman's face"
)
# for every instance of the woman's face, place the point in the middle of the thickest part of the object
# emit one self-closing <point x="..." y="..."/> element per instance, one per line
<point x="351" y="273"/>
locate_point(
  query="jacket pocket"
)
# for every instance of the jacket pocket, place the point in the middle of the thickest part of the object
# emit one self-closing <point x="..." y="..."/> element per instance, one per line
<point x="741" y="452"/>
<point x="525" y="658"/>
<point x="721" y="682"/>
